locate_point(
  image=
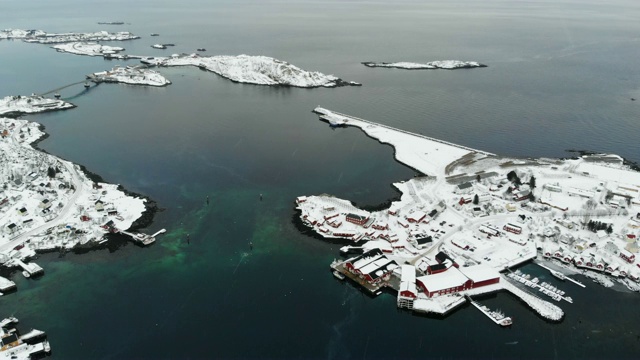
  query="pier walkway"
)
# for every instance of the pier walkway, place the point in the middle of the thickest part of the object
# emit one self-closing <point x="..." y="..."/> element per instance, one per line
<point x="31" y="269"/>
<point x="495" y="316"/>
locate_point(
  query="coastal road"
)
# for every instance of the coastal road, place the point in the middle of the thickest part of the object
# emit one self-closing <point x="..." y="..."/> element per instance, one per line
<point x="76" y="180"/>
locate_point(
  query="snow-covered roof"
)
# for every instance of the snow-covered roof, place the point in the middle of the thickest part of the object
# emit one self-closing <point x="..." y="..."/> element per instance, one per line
<point x="408" y="279"/>
<point x="479" y="273"/>
<point x="444" y="280"/>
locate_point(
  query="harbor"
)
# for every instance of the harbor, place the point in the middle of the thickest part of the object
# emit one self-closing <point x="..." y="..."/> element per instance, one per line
<point x="545" y="288"/>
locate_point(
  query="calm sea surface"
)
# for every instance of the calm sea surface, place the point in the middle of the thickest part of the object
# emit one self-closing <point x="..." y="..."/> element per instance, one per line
<point x="561" y="75"/>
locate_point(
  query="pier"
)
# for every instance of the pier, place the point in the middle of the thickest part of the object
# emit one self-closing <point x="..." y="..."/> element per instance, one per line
<point x="30" y="269"/>
<point x="547" y="289"/>
<point x="495" y="316"/>
<point x="546" y="309"/>
<point x="144" y="239"/>
<point x="566" y="277"/>
<point x="373" y="290"/>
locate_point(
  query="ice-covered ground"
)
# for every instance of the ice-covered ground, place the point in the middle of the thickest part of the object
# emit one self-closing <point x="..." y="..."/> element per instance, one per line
<point x="259" y="70"/>
<point x="440" y="64"/>
<point x="134" y="75"/>
<point x="18" y="105"/>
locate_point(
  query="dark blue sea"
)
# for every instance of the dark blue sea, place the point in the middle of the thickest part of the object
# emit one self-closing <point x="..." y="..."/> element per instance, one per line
<point x="561" y="75"/>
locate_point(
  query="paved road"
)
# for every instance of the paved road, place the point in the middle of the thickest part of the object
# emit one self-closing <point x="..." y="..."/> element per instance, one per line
<point x="62" y="217"/>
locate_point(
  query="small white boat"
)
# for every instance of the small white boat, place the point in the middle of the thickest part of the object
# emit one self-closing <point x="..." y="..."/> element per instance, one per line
<point x="558" y="274"/>
<point x="338" y="275"/>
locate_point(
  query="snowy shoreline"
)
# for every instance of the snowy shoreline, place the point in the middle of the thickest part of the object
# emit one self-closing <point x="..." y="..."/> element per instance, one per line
<point x="42" y="37"/>
<point x="439" y="64"/>
<point x="15" y="106"/>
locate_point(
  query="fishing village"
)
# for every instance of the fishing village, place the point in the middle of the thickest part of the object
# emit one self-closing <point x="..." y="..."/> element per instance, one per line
<point x="471" y="218"/>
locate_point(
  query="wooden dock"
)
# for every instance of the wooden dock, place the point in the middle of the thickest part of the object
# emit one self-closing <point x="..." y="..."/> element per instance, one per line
<point x="143" y="239"/>
<point x="374" y="290"/>
<point x="495" y="316"/>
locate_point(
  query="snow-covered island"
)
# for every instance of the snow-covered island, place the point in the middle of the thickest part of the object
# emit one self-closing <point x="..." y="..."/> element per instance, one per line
<point x="49" y="203"/>
<point x="258" y="70"/>
<point x="133" y="75"/>
<point x="42" y="37"/>
<point x="88" y="49"/>
<point x="440" y="64"/>
<point x="14" y="106"/>
<point x="460" y="228"/>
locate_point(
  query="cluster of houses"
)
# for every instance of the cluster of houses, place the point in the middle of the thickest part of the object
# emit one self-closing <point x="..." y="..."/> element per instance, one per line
<point x="35" y="189"/>
<point x="407" y="232"/>
<point x="443" y="277"/>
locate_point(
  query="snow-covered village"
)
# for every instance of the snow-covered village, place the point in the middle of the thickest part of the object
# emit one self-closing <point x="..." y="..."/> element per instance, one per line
<point x="471" y="217"/>
<point x="47" y="203"/>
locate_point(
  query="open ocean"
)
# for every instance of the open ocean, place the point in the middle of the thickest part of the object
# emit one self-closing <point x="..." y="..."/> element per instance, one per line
<point x="561" y="76"/>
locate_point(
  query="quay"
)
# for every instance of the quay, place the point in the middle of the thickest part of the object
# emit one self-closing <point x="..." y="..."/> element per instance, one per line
<point x="566" y="277"/>
<point x="495" y="316"/>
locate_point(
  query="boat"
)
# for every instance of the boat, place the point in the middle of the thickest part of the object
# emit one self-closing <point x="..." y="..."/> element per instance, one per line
<point x="154" y="34"/>
<point x="201" y="49"/>
<point x="338" y="275"/>
<point x="86" y="85"/>
<point x="500" y="318"/>
<point x="56" y="95"/>
<point x="558" y="274"/>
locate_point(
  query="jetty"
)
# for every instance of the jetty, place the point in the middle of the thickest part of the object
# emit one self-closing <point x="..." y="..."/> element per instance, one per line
<point x="30" y="269"/>
<point x="565" y="276"/>
<point x="144" y="239"/>
<point x="495" y="316"/>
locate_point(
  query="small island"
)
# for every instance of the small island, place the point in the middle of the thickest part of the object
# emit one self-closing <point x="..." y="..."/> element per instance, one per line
<point x="88" y="49"/>
<point x="132" y="75"/>
<point x="463" y="226"/>
<point x="257" y="70"/>
<point x="14" y="106"/>
<point x="440" y="64"/>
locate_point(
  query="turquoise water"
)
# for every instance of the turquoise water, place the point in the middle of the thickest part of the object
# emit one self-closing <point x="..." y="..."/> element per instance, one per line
<point x="560" y="76"/>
